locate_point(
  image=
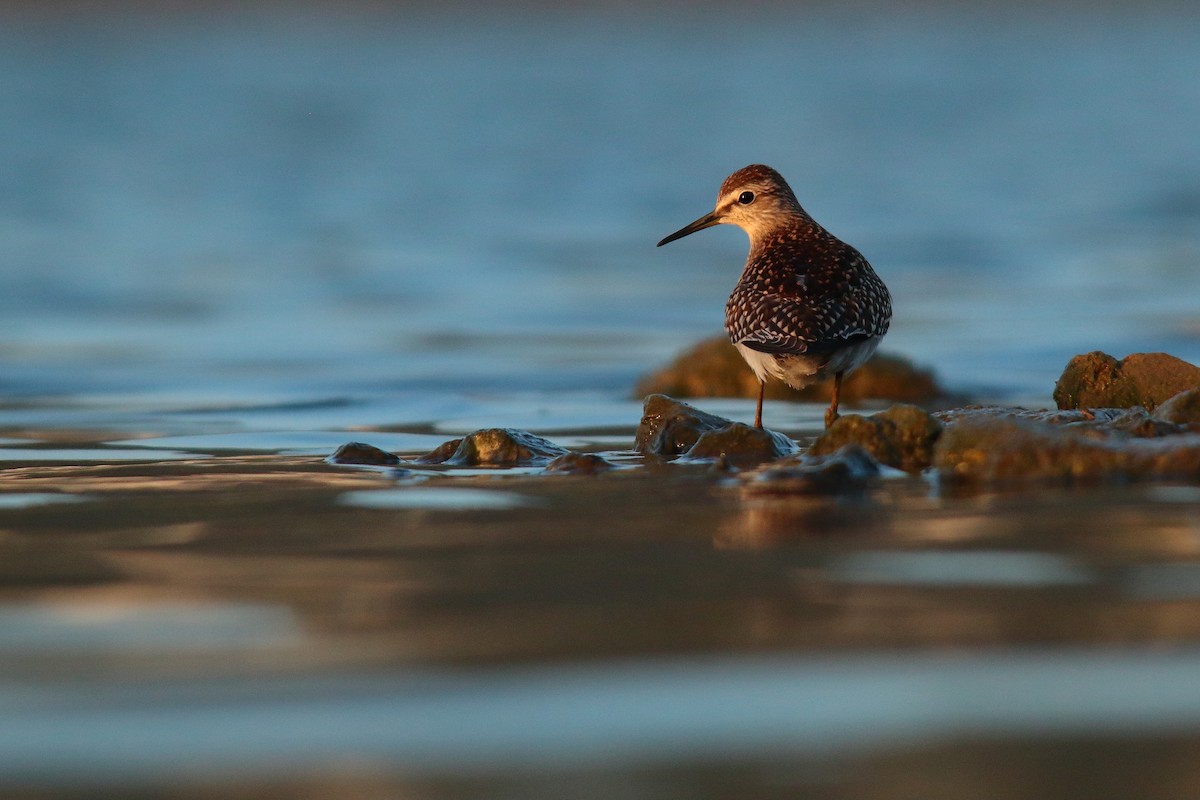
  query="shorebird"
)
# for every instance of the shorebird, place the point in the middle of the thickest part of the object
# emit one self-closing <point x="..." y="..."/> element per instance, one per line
<point x="807" y="305"/>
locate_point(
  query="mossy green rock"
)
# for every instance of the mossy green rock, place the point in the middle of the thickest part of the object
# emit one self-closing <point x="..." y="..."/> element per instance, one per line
<point x="903" y="436"/>
<point x="1097" y="380"/>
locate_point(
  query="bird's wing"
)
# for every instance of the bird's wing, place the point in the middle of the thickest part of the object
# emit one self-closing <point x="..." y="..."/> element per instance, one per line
<point x="792" y="326"/>
<point x="811" y="313"/>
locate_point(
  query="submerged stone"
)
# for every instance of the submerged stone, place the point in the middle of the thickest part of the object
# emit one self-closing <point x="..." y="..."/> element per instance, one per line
<point x="999" y="450"/>
<point x="713" y="368"/>
<point x="1097" y="380"/>
<point x="739" y="445"/>
<point x="579" y="464"/>
<point x="363" y="454"/>
<point x="496" y="447"/>
<point x="903" y="436"/>
<point x="846" y="470"/>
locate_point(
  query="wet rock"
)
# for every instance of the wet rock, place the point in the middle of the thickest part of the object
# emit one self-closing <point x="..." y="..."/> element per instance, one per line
<point x="362" y="454"/>
<point x="739" y="446"/>
<point x="1136" y="422"/>
<point x="713" y="368"/>
<point x="496" y="447"/>
<point x="1096" y="422"/>
<point x="903" y="436"/>
<point x="1182" y="409"/>
<point x="1053" y="417"/>
<point x="998" y="451"/>
<point x="1097" y="380"/>
<point x="671" y="428"/>
<point x="440" y="454"/>
<point x="579" y="464"/>
<point x="846" y="470"/>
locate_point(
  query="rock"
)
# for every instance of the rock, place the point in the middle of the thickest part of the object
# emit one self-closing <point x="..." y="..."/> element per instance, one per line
<point x="1181" y="409"/>
<point x="671" y="428"/>
<point x="1097" y="380"/>
<point x="579" y="464"/>
<point x="998" y="451"/>
<point x="713" y="368"/>
<point x="846" y="470"/>
<point x="887" y="377"/>
<point x="1059" y="417"/>
<point x="1098" y="422"/>
<point x="903" y="436"/>
<point x="496" y="447"/>
<point x="362" y="454"/>
<point x="1136" y="422"/>
<point x="442" y="453"/>
<point x="738" y="445"/>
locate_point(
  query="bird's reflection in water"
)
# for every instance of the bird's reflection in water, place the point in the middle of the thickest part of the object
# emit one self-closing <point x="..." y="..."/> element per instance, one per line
<point x="771" y="520"/>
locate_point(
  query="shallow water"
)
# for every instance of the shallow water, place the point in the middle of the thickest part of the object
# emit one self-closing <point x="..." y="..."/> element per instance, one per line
<point x="231" y="241"/>
<point x="258" y="622"/>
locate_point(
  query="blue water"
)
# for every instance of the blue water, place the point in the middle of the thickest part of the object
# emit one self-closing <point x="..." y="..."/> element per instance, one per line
<point x="220" y="205"/>
<point x="232" y="239"/>
<point x="614" y="715"/>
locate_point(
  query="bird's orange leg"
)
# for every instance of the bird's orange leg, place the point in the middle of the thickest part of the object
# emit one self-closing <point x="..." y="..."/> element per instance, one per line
<point x="758" y="413"/>
<point x="831" y="413"/>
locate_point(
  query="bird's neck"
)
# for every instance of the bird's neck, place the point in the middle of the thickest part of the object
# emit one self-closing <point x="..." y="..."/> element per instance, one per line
<point x="778" y="230"/>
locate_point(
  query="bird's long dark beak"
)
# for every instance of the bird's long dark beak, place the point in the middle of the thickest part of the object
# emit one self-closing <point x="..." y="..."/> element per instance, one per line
<point x="707" y="221"/>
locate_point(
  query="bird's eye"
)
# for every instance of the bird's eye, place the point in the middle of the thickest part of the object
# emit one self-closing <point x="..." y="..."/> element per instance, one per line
<point x="746" y="198"/>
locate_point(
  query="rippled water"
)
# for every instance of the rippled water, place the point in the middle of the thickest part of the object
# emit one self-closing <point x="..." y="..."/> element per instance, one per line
<point x="264" y="624"/>
<point x="232" y="240"/>
<point x="296" y="203"/>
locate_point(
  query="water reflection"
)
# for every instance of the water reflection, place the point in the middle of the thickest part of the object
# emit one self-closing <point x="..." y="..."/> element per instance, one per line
<point x="628" y="715"/>
<point x="964" y="568"/>
<point x="1172" y="581"/>
<point x="444" y="498"/>
<point x="31" y="499"/>
<point x="91" y="625"/>
<point x="99" y="455"/>
<point x="773" y="521"/>
<point x="617" y="624"/>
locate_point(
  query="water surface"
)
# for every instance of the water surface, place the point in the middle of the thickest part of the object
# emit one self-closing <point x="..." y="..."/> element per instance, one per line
<point x="232" y="240"/>
<point x="219" y="205"/>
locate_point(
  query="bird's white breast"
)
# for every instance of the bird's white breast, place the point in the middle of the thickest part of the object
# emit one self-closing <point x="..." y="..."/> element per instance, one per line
<point x="799" y="371"/>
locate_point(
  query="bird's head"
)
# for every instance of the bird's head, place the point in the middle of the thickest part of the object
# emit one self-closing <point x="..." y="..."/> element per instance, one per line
<point x="755" y="198"/>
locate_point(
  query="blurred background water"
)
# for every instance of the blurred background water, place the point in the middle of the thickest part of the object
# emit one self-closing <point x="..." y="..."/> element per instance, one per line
<point x="298" y="201"/>
<point x="232" y="234"/>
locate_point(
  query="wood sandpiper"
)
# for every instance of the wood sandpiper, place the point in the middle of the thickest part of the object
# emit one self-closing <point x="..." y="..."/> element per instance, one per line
<point x="807" y="305"/>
